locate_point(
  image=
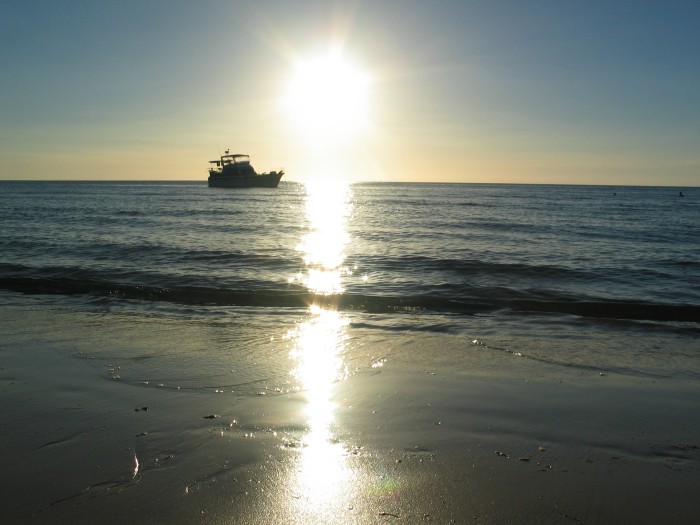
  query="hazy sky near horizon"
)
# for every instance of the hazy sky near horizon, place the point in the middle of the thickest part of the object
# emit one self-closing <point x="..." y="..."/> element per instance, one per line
<point x="559" y="91"/>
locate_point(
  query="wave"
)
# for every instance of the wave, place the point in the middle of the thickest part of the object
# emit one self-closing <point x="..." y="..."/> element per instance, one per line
<point x="255" y="294"/>
<point x="601" y="368"/>
<point x="470" y="266"/>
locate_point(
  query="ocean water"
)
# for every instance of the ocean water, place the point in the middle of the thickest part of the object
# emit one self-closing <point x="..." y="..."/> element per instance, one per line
<point x="599" y="278"/>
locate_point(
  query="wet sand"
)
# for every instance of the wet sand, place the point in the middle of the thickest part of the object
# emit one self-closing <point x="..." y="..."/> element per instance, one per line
<point x="470" y="436"/>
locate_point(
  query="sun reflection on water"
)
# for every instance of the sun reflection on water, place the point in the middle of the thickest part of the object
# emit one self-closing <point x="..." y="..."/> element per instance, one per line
<point x="322" y="473"/>
<point x="317" y="352"/>
<point x="323" y="247"/>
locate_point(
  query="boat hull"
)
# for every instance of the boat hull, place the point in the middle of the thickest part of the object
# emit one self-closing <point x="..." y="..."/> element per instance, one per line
<point x="264" y="180"/>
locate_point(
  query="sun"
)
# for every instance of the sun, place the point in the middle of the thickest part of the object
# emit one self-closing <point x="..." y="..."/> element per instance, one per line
<point x="327" y="98"/>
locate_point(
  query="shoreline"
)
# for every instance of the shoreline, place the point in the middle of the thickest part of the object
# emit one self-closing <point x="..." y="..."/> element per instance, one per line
<point x="455" y="435"/>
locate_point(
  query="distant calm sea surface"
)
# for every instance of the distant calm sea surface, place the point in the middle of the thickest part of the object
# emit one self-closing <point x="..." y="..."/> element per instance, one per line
<point x="553" y="272"/>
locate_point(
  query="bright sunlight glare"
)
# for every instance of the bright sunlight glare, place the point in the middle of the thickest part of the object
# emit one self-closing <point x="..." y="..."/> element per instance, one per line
<point x="328" y="206"/>
<point x="327" y="99"/>
<point x="323" y="474"/>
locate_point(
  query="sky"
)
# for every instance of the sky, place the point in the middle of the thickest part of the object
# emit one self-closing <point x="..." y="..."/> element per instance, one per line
<point x="558" y="91"/>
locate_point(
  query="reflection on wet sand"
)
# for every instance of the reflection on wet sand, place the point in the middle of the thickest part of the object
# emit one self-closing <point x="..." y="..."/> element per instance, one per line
<point x="322" y="471"/>
<point x="322" y="475"/>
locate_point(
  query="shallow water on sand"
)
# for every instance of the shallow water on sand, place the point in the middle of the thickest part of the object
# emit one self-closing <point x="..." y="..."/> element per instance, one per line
<point x="190" y="420"/>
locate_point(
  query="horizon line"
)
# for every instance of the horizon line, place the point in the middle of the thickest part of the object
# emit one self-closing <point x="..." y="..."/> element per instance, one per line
<point x="200" y="181"/>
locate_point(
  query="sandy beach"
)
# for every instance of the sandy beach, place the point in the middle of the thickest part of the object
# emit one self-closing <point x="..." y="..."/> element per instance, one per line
<point x="92" y="433"/>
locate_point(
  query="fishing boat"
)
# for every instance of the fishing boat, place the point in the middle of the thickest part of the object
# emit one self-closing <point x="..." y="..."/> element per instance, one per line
<point x="235" y="171"/>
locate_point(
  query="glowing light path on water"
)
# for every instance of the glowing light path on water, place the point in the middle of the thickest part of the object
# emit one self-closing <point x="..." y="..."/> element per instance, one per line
<point x="327" y="210"/>
<point x="322" y="474"/>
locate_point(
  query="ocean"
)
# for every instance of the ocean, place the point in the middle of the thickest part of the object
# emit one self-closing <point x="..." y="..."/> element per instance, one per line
<point x="348" y="353"/>
<point x="516" y="267"/>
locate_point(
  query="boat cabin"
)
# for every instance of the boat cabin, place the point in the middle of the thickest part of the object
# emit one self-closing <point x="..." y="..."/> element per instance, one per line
<point x="232" y="164"/>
